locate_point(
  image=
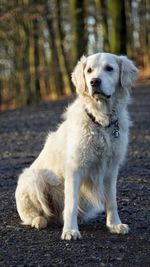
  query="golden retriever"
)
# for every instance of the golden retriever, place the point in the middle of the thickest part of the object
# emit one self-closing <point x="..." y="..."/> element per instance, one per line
<point x="75" y="175"/>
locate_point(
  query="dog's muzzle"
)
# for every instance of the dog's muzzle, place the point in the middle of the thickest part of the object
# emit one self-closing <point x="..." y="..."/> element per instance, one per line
<point x="96" y="89"/>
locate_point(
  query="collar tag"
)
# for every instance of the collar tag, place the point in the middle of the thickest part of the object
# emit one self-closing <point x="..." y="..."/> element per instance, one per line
<point x="116" y="133"/>
<point x="116" y="130"/>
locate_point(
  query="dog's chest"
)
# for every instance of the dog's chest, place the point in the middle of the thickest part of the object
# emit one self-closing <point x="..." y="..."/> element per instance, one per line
<point x="98" y="143"/>
<point x="98" y="140"/>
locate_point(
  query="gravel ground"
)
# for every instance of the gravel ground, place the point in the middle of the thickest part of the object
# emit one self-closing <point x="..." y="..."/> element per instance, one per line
<point x="22" y="134"/>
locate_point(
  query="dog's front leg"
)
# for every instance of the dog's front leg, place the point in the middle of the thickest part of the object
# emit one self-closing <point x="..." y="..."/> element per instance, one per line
<point x="72" y="186"/>
<point x="113" y="221"/>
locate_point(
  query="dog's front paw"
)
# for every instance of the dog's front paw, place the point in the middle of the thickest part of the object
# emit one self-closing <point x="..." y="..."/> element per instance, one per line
<point x="69" y="234"/>
<point x="119" y="228"/>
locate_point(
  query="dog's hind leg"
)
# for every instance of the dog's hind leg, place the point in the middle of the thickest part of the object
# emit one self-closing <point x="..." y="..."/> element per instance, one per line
<point x="30" y="209"/>
<point x="31" y="201"/>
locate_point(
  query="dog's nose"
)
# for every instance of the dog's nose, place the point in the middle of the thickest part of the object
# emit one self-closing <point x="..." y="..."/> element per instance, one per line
<point x="95" y="82"/>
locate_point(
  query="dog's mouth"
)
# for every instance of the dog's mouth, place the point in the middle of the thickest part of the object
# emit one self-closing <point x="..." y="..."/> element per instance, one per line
<point x="98" y="95"/>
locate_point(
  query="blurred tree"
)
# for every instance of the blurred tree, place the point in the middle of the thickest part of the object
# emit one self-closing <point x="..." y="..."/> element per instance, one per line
<point x="144" y="9"/>
<point x="79" y="28"/>
<point x="41" y="41"/>
<point x="117" y="27"/>
<point x="36" y="60"/>
<point x="26" y="61"/>
<point x="62" y="54"/>
<point x="123" y="28"/>
<point x="129" y="25"/>
<point x="104" y="21"/>
<point x="1" y="93"/>
<point x="18" y="77"/>
<point x="57" y="72"/>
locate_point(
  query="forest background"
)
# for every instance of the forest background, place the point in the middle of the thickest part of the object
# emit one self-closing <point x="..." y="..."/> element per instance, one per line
<point x="41" y="41"/>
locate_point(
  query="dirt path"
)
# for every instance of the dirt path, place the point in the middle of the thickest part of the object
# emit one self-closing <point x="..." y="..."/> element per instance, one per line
<point x="22" y="134"/>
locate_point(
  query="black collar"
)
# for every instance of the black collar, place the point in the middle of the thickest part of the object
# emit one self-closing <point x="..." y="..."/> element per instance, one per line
<point x="92" y="118"/>
<point x="113" y="122"/>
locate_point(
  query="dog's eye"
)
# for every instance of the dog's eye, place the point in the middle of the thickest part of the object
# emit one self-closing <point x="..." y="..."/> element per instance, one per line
<point x="89" y="70"/>
<point x="108" y="68"/>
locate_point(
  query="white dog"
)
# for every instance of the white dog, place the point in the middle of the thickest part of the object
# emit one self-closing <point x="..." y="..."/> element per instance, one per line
<point x="75" y="175"/>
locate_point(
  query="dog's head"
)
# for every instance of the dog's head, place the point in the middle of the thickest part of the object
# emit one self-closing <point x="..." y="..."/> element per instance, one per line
<point x="100" y="74"/>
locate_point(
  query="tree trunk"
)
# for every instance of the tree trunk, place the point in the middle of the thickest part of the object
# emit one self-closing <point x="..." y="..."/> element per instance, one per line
<point x="123" y="29"/>
<point x="118" y="26"/>
<point x="26" y="64"/>
<point x="104" y="20"/>
<point x="1" y="93"/>
<point x="129" y="21"/>
<point x="54" y="52"/>
<point x="79" y="28"/>
<point x="36" y="61"/>
<point x="62" y="55"/>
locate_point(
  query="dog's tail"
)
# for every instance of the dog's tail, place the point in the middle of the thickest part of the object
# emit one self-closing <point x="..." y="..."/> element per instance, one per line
<point x="47" y="187"/>
<point x="38" y="194"/>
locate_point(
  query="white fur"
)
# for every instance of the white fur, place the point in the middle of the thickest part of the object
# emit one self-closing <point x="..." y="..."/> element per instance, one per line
<point x="76" y="172"/>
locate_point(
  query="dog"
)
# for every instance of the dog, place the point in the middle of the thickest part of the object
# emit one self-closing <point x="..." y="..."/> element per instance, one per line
<point x="75" y="175"/>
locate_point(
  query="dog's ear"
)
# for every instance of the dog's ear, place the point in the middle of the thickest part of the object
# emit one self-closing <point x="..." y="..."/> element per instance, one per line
<point x="128" y="72"/>
<point x="78" y="75"/>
